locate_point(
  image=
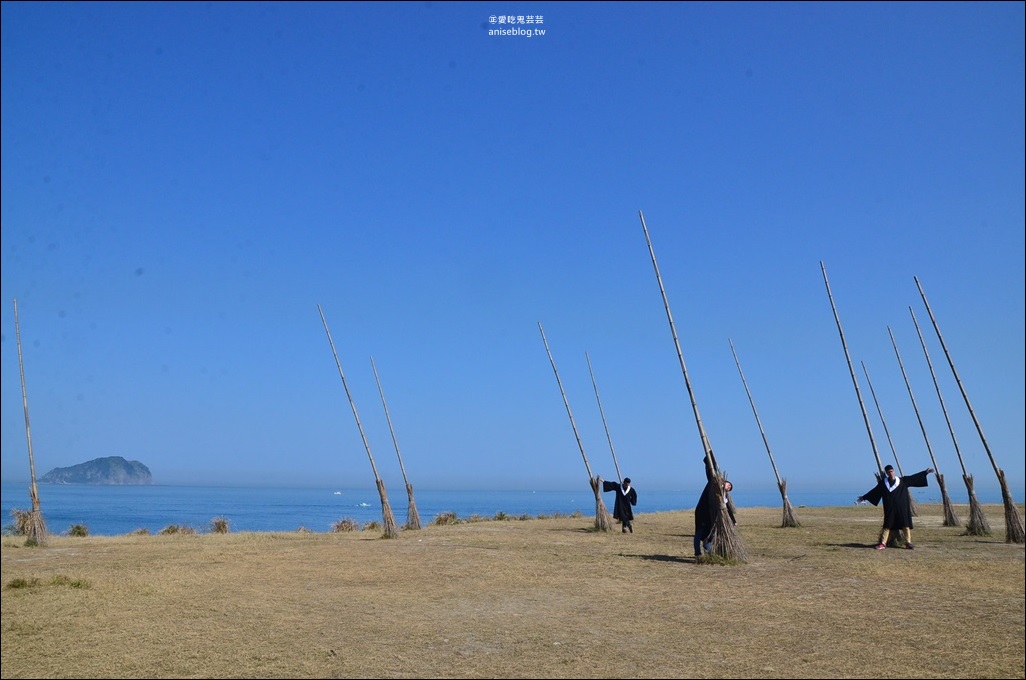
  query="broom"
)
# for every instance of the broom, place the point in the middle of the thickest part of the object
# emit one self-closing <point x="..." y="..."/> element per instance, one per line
<point x="391" y="530"/>
<point x="603" y="522"/>
<point x="1013" y="522"/>
<point x="977" y="524"/>
<point x="35" y="526"/>
<point x="412" y="516"/>
<point x="950" y="519"/>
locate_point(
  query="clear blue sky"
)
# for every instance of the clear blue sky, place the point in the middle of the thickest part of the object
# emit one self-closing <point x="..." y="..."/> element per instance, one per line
<point x="183" y="184"/>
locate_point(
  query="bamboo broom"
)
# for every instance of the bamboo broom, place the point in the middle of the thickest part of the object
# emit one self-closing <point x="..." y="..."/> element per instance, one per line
<point x="412" y="516"/>
<point x="1013" y="522"/>
<point x="603" y="522"/>
<point x="726" y="538"/>
<point x="789" y="519"/>
<point x="950" y="519"/>
<point x="35" y="526"/>
<point x="977" y="524"/>
<point x="391" y="530"/>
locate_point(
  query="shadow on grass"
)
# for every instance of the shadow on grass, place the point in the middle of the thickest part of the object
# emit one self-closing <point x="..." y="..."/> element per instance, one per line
<point x="677" y="559"/>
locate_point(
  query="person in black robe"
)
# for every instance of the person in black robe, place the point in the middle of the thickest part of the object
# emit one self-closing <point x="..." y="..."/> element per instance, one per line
<point x="626" y="496"/>
<point x="897" y="503"/>
<point x="705" y="511"/>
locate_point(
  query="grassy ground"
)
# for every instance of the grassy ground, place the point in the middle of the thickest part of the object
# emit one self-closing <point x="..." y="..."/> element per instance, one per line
<point x="537" y="598"/>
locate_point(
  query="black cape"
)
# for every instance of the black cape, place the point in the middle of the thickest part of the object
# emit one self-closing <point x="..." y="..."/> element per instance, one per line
<point x="897" y="503"/>
<point x="705" y="511"/>
<point x="622" y="506"/>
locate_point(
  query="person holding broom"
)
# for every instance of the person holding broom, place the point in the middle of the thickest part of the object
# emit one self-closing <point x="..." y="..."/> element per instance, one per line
<point x="626" y="496"/>
<point x="897" y="503"/>
<point x="706" y="509"/>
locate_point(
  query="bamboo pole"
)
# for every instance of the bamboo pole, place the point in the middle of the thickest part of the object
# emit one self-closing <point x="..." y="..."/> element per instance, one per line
<point x="1013" y="522"/>
<point x="890" y="442"/>
<point x="412" y="515"/>
<point x="619" y="477"/>
<point x="789" y="519"/>
<point x="726" y="540"/>
<point x="977" y="524"/>
<point x="851" y="371"/>
<point x="950" y="519"/>
<point x="603" y="522"/>
<point x="36" y="533"/>
<point x="388" y="519"/>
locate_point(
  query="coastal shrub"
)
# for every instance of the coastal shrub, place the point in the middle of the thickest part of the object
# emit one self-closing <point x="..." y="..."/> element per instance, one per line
<point x="141" y="531"/>
<point x="78" y="530"/>
<point x="177" y="529"/>
<point x="501" y="516"/>
<point x="219" y="525"/>
<point x="21" y="522"/>
<point x="372" y="526"/>
<point x="444" y="518"/>
<point x="345" y="524"/>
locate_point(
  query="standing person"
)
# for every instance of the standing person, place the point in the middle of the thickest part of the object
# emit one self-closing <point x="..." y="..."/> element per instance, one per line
<point x="705" y="516"/>
<point x="897" y="503"/>
<point x="626" y="496"/>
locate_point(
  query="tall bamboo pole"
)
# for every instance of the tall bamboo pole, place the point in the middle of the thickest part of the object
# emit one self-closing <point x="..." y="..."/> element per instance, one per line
<point x="789" y="519"/>
<point x="1013" y="522"/>
<point x="388" y="519"/>
<point x="950" y="519"/>
<point x="35" y="529"/>
<point x="726" y="539"/>
<point x="619" y="477"/>
<point x="977" y="524"/>
<point x="851" y="371"/>
<point x="412" y="516"/>
<point x="603" y="522"/>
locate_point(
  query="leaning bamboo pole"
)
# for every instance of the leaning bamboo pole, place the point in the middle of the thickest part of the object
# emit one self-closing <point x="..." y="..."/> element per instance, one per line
<point x="789" y="519"/>
<point x="887" y="432"/>
<point x="726" y="539"/>
<point x="619" y="477"/>
<point x="603" y="521"/>
<point x="977" y="524"/>
<point x="1013" y="522"/>
<point x="412" y="516"/>
<point x="851" y="371"/>
<point x="35" y="527"/>
<point x="391" y="530"/>
<point x="950" y="519"/>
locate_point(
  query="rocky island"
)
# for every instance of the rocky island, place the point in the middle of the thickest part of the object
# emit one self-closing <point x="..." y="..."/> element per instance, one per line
<point x="109" y="470"/>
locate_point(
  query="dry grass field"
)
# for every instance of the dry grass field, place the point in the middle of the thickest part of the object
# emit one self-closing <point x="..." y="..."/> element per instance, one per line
<point x="535" y="598"/>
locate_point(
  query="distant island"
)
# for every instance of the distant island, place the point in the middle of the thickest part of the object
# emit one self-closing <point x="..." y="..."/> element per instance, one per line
<point x="109" y="470"/>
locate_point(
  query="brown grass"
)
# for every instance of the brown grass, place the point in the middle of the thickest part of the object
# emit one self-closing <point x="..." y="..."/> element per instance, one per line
<point x="537" y="598"/>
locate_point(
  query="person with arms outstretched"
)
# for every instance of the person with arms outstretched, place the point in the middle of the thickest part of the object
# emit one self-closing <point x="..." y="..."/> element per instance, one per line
<point x="897" y="503"/>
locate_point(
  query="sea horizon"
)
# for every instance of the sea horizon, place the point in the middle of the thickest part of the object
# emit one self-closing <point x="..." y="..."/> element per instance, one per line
<point x="111" y="510"/>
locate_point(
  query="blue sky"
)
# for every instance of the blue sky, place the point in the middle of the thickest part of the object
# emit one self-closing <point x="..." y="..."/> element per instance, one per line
<point x="184" y="183"/>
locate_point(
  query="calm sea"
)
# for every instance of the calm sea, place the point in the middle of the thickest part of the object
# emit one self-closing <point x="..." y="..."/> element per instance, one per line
<point x="114" y="510"/>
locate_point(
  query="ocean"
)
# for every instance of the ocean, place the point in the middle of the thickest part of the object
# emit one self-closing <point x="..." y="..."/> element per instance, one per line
<point x="115" y="510"/>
